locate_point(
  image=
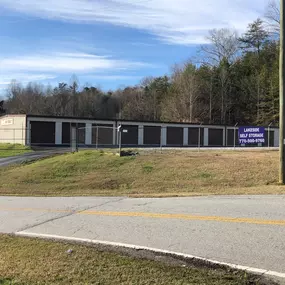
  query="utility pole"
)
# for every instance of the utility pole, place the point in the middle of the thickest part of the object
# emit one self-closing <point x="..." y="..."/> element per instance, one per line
<point x="282" y="94"/>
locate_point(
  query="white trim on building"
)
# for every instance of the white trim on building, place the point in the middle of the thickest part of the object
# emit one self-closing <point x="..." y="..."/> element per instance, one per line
<point x="185" y="136"/>
<point x="141" y="134"/>
<point x="58" y="133"/>
<point x="206" y="136"/>
<point x="10" y="123"/>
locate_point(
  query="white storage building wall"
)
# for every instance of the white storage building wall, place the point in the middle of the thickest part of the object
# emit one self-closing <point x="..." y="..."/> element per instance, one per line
<point x="13" y="129"/>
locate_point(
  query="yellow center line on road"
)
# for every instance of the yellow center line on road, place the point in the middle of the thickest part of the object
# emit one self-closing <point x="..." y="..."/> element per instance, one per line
<point x="188" y="217"/>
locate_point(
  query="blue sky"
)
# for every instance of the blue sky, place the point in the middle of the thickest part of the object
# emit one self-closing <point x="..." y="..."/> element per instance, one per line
<point x="109" y="43"/>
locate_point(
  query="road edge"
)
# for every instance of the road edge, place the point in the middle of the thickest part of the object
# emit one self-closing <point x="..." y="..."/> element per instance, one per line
<point x="180" y="255"/>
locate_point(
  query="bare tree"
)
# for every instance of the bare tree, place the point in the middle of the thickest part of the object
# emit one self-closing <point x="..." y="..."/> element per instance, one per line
<point x="74" y="88"/>
<point x="62" y="105"/>
<point x="272" y="15"/>
<point x="29" y="99"/>
<point x="182" y="102"/>
<point x="133" y="103"/>
<point x="155" y="90"/>
<point x="221" y="52"/>
<point x="223" y="44"/>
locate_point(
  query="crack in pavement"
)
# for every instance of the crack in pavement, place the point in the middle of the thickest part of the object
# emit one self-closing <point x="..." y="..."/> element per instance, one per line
<point x="68" y="215"/>
<point x="144" y="204"/>
<point x="173" y="245"/>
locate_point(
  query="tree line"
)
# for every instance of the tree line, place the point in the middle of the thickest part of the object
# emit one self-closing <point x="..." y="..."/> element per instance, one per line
<point x="233" y="79"/>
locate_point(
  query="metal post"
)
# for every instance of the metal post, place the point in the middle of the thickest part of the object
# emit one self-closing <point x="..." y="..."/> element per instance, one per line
<point x="22" y="138"/>
<point x="199" y="138"/>
<point x="269" y="134"/>
<point x="97" y="134"/>
<point x="29" y="135"/>
<point x="77" y="137"/>
<point x="226" y="136"/>
<point x="161" y="139"/>
<point x="282" y="95"/>
<point x="120" y="142"/>
<point x="74" y="138"/>
<point x="235" y="135"/>
<point x="120" y="139"/>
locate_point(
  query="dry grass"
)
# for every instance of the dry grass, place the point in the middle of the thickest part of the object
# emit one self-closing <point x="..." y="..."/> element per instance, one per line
<point x="173" y="173"/>
<point x="31" y="261"/>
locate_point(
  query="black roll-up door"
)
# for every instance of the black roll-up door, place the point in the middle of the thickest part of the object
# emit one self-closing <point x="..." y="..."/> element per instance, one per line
<point x="193" y="136"/>
<point x="42" y="132"/>
<point x="81" y="132"/>
<point x="130" y="136"/>
<point x="105" y="134"/>
<point x="216" y="137"/>
<point x="152" y="135"/>
<point x="230" y="137"/>
<point x="174" y="136"/>
<point x="66" y="133"/>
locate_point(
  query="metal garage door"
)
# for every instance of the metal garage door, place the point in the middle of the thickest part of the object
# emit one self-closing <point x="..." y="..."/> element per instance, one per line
<point x="131" y="136"/>
<point x="152" y="135"/>
<point x="42" y="133"/>
<point x="174" y="136"/>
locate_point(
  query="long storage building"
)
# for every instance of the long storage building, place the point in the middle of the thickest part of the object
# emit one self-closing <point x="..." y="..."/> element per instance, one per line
<point x="35" y="130"/>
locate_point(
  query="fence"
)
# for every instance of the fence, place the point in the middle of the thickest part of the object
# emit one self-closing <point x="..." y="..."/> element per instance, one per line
<point x="45" y="135"/>
<point x="97" y="136"/>
<point x="17" y="136"/>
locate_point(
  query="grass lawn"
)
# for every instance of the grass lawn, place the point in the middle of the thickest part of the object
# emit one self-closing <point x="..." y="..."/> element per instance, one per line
<point x="32" y="261"/>
<point x="172" y="173"/>
<point x="7" y="150"/>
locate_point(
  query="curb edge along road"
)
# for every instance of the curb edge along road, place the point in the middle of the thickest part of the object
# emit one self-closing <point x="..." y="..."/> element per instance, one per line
<point x="155" y="250"/>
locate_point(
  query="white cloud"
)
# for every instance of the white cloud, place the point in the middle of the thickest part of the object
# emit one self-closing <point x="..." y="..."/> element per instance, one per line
<point x="79" y="55"/>
<point x="142" y="44"/>
<point x="180" y="21"/>
<point x="23" y="78"/>
<point x="48" y="66"/>
<point x="67" y="63"/>
<point x="115" y="77"/>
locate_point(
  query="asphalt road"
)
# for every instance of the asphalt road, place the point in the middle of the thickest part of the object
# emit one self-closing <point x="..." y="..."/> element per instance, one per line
<point x="31" y="156"/>
<point x="242" y="230"/>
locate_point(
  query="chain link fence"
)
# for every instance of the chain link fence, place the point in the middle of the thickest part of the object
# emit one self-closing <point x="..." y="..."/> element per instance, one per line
<point x="71" y="136"/>
<point x="13" y="136"/>
<point x="97" y="137"/>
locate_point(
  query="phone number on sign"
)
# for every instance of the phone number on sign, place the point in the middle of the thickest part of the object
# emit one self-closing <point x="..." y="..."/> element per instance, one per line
<point x="247" y="141"/>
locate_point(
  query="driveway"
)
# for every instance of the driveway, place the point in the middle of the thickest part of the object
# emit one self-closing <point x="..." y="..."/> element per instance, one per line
<point x="31" y="156"/>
